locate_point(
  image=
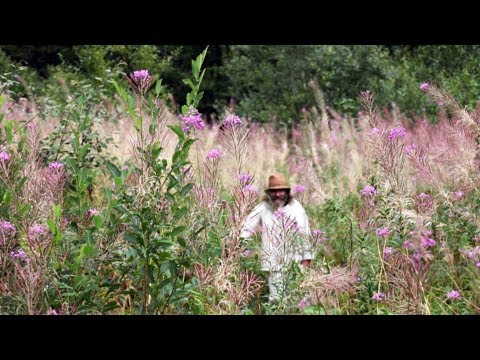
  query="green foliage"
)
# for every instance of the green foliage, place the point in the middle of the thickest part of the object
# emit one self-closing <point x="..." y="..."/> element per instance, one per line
<point x="154" y="220"/>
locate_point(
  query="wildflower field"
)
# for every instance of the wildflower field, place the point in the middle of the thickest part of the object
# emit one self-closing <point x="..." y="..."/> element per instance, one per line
<point x="128" y="208"/>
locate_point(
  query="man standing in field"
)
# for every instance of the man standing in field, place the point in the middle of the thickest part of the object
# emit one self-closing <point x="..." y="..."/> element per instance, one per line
<point x="285" y="233"/>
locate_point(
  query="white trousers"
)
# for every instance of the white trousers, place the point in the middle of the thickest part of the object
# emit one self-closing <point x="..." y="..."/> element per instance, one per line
<point x="276" y="285"/>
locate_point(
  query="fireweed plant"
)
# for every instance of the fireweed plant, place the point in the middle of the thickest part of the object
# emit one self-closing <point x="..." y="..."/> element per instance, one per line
<point x="151" y="223"/>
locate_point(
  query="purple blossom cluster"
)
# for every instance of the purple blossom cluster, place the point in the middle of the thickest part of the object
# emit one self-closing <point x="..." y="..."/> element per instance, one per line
<point x="92" y="212"/>
<point x="4" y="156"/>
<point x="383" y="232"/>
<point x="454" y="295"/>
<point x="35" y="230"/>
<point x="280" y="213"/>
<point x="55" y="166"/>
<point x="7" y="229"/>
<point x="214" y="154"/>
<point x="298" y="188"/>
<point x="387" y="252"/>
<point x="141" y="75"/>
<point x="232" y="120"/>
<point x="245" y="178"/>
<point x="397" y="132"/>
<point x="319" y="236"/>
<point x="193" y="119"/>
<point x="20" y="254"/>
<point x="251" y="189"/>
<point x="368" y="191"/>
<point x="424" y="86"/>
<point x="424" y="202"/>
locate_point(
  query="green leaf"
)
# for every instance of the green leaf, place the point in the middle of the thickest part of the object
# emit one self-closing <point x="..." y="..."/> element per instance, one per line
<point x="108" y="194"/>
<point x="83" y="150"/>
<point x="195" y="69"/>
<point x="186" y="189"/>
<point x="198" y="98"/>
<point x="189" y="83"/>
<point x="113" y="169"/>
<point x="178" y="230"/>
<point x="121" y="91"/>
<point x="131" y="238"/>
<point x="190" y="99"/>
<point x="138" y="123"/>
<point x="8" y="131"/>
<point x="7" y="197"/>
<point x="184" y="109"/>
<point x="158" y="87"/>
<point x="181" y="241"/>
<point x="172" y="181"/>
<point x="156" y="149"/>
<point x="180" y="212"/>
<point x="57" y="210"/>
<point x="72" y="164"/>
<point x="177" y="130"/>
<point x="51" y="225"/>
<point x="98" y="221"/>
<point x="20" y="184"/>
<point x="170" y="197"/>
<point x="201" y="77"/>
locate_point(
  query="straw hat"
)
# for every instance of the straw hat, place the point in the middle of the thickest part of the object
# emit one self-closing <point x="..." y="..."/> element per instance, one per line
<point x="277" y="182"/>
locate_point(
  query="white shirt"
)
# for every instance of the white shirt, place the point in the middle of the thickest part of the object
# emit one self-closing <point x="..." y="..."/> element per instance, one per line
<point x="285" y="234"/>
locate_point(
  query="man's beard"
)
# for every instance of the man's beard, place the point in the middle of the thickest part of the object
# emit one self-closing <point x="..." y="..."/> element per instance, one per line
<point x="278" y="201"/>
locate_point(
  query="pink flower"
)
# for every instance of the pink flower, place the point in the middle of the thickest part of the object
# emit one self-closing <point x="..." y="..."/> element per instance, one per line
<point x="374" y="131"/>
<point x="192" y="118"/>
<point x="20" y="254"/>
<point x="383" y="232"/>
<point x="387" y="251"/>
<point x="454" y="294"/>
<point x="251" y="189"/>
<point x="459" y="194"/>
<point x="6" y="229"/>
<point x="478" y="264"/>
<point x="247" y="253"/>
<point x="378" y="296"/>
<point x="232" y="120"/>
<point x="409" y="149"/>
<point x="4" y="156"/>
<point x="423" y="197"/>
<point x="303" y="303"/>
<point x="141" y="74"/>
<point x="214" y="154"/>
<point x="92" y="212"/>
<point x="424" y="86"/>
<point x="428" y="242"/>
<point x="298" y="188"/>
<point x="36" y="230"/>
<point x="368" y="190"/>
<point x="55" y="166"/>
<point x="398" y="131"/>
<point x="244" y="178"/>
<point x="280" y="213"/>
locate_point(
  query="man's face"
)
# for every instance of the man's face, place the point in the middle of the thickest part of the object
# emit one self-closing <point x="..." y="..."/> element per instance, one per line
<point x="278" y="197"/>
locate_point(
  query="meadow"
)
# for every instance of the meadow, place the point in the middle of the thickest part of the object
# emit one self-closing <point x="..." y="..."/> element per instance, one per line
<point x="125" y="207"/>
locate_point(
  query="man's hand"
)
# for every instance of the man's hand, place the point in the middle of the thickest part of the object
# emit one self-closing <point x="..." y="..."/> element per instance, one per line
<point x="305" y="263"/>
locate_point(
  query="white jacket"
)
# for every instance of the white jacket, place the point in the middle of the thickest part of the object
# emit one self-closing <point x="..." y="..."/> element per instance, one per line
<point x="285" y="234"/>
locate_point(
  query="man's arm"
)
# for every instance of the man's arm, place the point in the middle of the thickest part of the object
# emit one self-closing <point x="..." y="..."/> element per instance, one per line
<point x="252" y="221"/>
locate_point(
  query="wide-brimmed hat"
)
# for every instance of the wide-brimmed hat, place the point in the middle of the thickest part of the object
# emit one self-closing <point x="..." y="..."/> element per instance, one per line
<point x="277" y="182"/>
